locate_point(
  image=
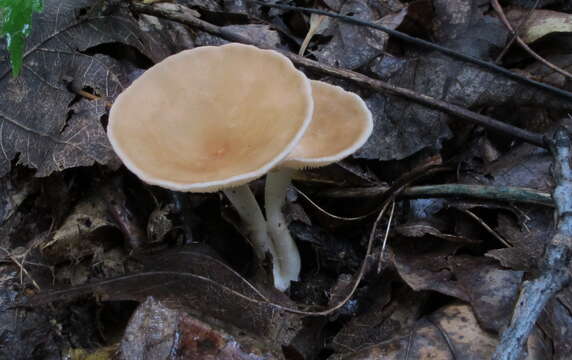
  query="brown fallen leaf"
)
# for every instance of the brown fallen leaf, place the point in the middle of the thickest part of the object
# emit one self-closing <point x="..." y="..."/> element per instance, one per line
<point x="193" y="281"/>
<point x="539" y="23"/>
<point x="451" y="332"/>
<point x="82" y="232"/>
<point x="158" y="332"/>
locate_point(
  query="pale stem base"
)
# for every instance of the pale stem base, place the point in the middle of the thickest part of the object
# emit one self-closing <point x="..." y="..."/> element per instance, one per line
<point x="245" y="204"/>
<point x="287" y="255"/>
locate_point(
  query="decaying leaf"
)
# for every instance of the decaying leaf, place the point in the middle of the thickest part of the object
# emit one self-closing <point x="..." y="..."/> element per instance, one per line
<point x="389" y="315"/>
<point x="196" y="283"/>
<point x="261" y="34"/>
<point x="78" y="235"/>
<point x="353" y="46"/>
<point x="489" y="288"/>
<point x="24" y="333"/>
<point x="450" y="333"/>
<point x="539" y="23"/>
<point x="38" y="122"/>
<point x="157" y="332"/>
<point x="159" y="223"/>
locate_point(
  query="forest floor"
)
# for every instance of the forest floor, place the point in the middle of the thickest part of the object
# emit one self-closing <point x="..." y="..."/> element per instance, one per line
<point x="420" y="245"/>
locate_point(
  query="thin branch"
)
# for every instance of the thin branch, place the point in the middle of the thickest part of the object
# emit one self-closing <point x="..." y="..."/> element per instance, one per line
<point x="385" y="237"/>
<point x="479" y="192"/>
<point x="489" y="229"/>
<point x="378" y="85"/>
<point x="532" y="53"/>
<point x="517" y="31"/>
<point x="554" y="273"/>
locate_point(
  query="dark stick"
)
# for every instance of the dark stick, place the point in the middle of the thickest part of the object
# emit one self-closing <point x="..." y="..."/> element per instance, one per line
<point x="480" y="192"/>
<point x="427" y="44"/>
<point x="554" y="273"/>
<point x="517" y="31"/>
<point x="124" y="218"/>
<point x="378" y="85"/>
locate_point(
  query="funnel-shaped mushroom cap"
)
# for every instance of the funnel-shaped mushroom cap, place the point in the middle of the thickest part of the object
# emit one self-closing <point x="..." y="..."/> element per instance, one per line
<point x="211" y="117"/>
<point x="341" y="124"/>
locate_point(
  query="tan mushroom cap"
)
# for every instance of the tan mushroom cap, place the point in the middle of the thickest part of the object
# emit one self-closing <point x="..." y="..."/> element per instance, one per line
<point x="341" y="124"/>
<point x="211" y="117"/>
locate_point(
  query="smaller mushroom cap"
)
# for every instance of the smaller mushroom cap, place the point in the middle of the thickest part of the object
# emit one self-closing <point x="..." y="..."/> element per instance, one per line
<point x="211" y="117"/>
<point x="341" y="124"/>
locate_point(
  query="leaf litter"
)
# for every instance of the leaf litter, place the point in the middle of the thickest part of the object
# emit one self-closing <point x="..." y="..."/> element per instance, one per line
<point x="446" y="286"/>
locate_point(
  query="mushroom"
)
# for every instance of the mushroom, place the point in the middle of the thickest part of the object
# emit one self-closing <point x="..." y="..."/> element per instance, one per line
<point x="341" y="124"/>
<point x="214" y="118"/>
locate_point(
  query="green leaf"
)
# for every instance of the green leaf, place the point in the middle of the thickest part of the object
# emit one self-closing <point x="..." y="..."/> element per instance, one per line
<point x="15" y="25"/>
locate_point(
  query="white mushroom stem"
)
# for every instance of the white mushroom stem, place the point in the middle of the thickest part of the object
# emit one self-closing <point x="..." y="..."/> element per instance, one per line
<point x="287" y="255"/>
<point x="245" y="204"/>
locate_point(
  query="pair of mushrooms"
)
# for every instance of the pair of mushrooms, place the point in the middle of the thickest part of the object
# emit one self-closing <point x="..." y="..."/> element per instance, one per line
<point x="216" y="118"/>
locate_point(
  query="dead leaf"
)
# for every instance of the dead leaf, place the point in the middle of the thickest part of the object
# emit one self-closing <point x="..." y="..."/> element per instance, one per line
<point x="451" y="332"/>
<point x="38" y="122"/>
<point x="353" y="46"/>
<point x="197" y="283"/>
<point x="81" y="231"/>
<point x="24" y="333"/>
<point x="539" y="22"/>
<point x="160" y="223"/>
<point x="261" y="34"/>
<point x="157" y="332"/>
<point x="402" y="128"/>
<point x="490" y="289"/>
<point x="388" y="315"/>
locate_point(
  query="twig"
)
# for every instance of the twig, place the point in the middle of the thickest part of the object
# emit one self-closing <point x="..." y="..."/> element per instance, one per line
<point x="516" y="32"/>
<point x="116" y="204"/>
<point x="532" y="53"/>
<point x="554" y="274"/>
<point x="486" y="226"/>
<point x="21" y="265"/>
<point x="385" y="237"/>
<point x="482" y="192"/>
<point x="378" y="85"/>
<point x="427" y="44"/>
<point x="329" y="214"/>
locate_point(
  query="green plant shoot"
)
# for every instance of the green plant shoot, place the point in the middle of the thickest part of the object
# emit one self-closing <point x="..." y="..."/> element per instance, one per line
<point x="15" y="25"/>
